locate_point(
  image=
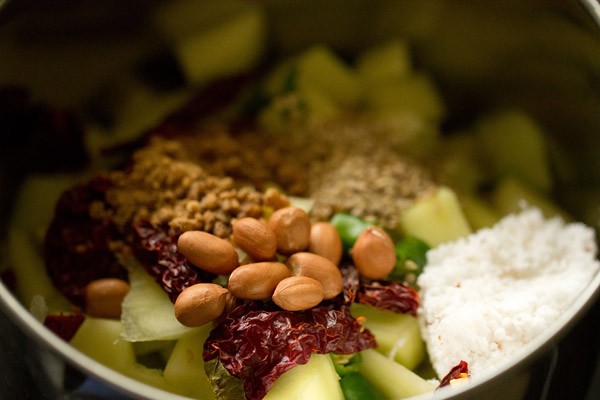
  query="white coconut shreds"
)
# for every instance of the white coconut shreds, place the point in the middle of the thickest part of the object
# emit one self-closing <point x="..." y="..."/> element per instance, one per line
<point x="485" y="296"/>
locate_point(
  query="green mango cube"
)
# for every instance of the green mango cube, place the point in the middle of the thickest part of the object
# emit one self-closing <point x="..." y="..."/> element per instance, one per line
<point x="101" y="340"/>
<point x="315" y="380"/>
<point x="185" y="368"/>
<point x="384" y="63"/>
<point x="398" y="335"/>
<point x="512" y="144"/>
<point x="394" y="380"/>
<point x="436" y="218"/>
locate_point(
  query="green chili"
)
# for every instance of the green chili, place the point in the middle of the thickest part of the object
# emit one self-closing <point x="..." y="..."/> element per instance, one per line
<point x="411" y="257"/>
<point x="357" y="387"/>
<point x="349" y="227"/>
<point x="346" y="363"/>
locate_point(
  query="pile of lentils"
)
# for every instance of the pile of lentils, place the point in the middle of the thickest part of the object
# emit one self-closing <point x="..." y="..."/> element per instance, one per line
<point x="354" y="166"/>
<point x="163" y="185"/>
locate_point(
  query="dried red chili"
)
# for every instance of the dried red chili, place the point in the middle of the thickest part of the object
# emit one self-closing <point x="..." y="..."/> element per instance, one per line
<point x="393" y="296"/>
<point x="457" y="372"/>
<point x="389" y="295"/>
<point x="258" y="342"/>
<point x="77" y="247"/>
<point x="156" y="250"/>
<point x="351" y="280"/>
<point x="64" y="325"/>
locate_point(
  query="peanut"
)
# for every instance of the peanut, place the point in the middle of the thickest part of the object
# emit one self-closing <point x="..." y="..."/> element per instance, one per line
<point x="103" y="297"/>
<point x="255" y="238"/>
<point x="298" y="293"/>
<point x="200" y="303"/>
<point x="292" y="229"/>
<point x="257" y="281"/>
<point x="325" y="241"/>
<point x="373" y="253"/>
<point x="319" y="268"/>
<point x="208" y="252"/>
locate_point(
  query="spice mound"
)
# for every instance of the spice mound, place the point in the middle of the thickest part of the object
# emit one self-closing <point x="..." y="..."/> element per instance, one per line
<point x="145" y="207"/>
<point x="164" y="185"/>
<point x="355" y="166"/>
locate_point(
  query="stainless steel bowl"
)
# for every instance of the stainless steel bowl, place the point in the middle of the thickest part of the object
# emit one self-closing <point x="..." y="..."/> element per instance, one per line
<point x="541" y="56"/>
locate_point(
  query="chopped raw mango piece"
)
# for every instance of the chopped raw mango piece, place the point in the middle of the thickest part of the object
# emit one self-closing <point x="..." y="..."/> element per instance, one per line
<point x="282" y="79"/>
<point x="33" y="211"/>
<point x="101" y="340"/>
<point x="420" y="136"/>
<point x="384" y="63"/>
<point x="304" y="203"/>
<point x="436" y="218"/>
<point x="147" y="310"/>
<point x="319" y="106"/>
<point x="37" y="198"/>
<point x="185" y="368"/>
<point x="282" y="113"/>
<point x="457" y="165"/>
<point x="131" y="108"/>
<point x="478" y="212"/>
<point x="311" y="87"/>
<point x="306" y="104"/>
<point x="512" y="144"/>
<point x="28" y="265"/>
<point x="394" y="380"/>
<point x="322" y="69"/>
<point x="214" y="39"/>
<point x="315" y="380"/>
<point x="398" y="335"/>
<point x="510" y="195"/>
<point x="415" y="93"/>
<point x="149" y="376"/>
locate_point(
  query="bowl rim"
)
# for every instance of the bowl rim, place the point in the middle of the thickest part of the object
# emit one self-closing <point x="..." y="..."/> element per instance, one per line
<point x="593" y="9"/>
<point x="63" y="350"/>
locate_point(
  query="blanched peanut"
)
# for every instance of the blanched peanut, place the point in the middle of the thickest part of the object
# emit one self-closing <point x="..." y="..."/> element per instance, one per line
<point x="373" y="253"/>
<point x="292" y="229"/>
<point x="103" y="297"/>
<point x="319" y="268"/>
<point x="200" y="303"/>
<point x="208" y="252"/>
<point x="325" y="241"/>
<point x="298" y="293"/>
<point x="257" y="281"/>
<point x="255" y="238"/>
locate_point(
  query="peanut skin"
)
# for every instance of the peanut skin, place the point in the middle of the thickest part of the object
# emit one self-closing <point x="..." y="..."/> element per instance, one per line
<point x="208" y="252"/>
<point x="255" y="238"/>
<point x="319" y="268"/>
<point x="373" y="253"/>
<point x="292" y="229"/>
<point x="325" y="241"/>
<point x="257" y="281"/>
<point x="200" y="303"/>
<point x="103" y="297"/>
<point x="298" y="293"/>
